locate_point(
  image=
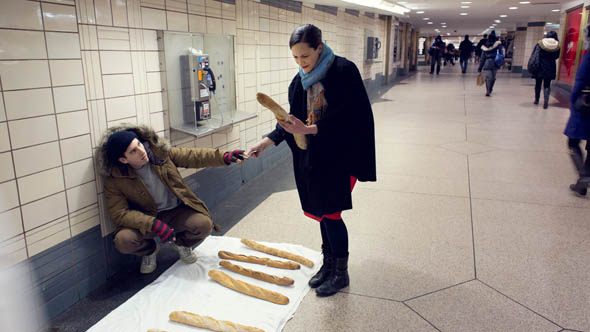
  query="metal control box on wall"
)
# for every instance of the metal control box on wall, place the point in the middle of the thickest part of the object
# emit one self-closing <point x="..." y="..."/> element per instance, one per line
<point x="196" y="83"/>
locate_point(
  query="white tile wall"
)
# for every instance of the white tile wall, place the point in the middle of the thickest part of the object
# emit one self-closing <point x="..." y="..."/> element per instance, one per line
<point x="47" y="236"/>
<point x="28" y="103"/>
<point x="152" y="61"/>
<point x="115" y="62"/>
<point x="21" y="15"/>
<point x="24" y="74"/>
<point x="118" y="85"/>
<point x="81" y="196"/>
<point x="36" y="158"/>
<point x="177" y="21"/>
<point x="4" y="138"/>
<point x="59" y="17"/>
<point x="8" y="195"/>
<point x="76" y="148"/>
<point x="44" y="210"/>
<point x="69" y="98"/>
<point x="73" y="124"/>
<point x="2" y="111"/>
<point x="153" y="82"/>
<point x="6" y="167"/>
<point x="153" y="18"/>
<point x="120" y="108"/>
<point x="79" y="173"/>
<point x="119" y="10"/>
<point x="84" y="219"/>
<point x="197" y="23"/>
<point x="11" y="224"/>
<point x="61" y="45"/>
<point x="33" y="44"/>
<point x="32" y="131"/>
<point x="66" y="72"/>
<point x="30" y="190"/>
<point x="103" y="12"/>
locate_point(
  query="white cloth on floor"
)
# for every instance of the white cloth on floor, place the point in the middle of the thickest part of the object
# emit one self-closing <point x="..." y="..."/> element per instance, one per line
<point x="187" y="287"/>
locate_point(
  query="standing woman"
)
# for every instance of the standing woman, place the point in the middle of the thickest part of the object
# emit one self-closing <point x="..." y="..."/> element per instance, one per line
<point x="548" y="49"/>
<point x="487" y="61"/>
<point x="329" y="104"/>
<point x="578" y="125"/>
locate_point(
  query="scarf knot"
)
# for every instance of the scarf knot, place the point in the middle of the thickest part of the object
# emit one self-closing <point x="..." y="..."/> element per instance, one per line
<point x="320" y="69"/>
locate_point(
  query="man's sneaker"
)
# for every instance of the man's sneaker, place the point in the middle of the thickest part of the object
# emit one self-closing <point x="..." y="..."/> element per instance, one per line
<point x="186" y="254"/>
<point x="148" y="262"/>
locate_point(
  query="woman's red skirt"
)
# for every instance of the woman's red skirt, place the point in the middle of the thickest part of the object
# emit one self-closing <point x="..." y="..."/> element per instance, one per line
<point x="335" y="215"/>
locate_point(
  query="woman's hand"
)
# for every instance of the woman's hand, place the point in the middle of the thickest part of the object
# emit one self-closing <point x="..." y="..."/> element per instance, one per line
<point x="256" y="150"/>
<point x="296" y="126"/>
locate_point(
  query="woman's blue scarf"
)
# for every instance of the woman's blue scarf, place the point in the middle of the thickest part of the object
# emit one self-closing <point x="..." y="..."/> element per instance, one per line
<point x="319" y="70"/>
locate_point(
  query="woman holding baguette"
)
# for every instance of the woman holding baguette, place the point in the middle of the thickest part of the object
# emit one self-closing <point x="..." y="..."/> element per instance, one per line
<point x="329" y="105"/>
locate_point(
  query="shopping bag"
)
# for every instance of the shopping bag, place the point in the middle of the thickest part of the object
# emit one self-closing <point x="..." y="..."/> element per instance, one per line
<point x="479" y="79"/>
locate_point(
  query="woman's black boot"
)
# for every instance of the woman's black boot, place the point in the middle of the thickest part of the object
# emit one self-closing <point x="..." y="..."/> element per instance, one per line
<point x="546" y="94"/>
<point x="326" y="269"/>
<point x="537" y="95"/>
<point x="337" y="280"/>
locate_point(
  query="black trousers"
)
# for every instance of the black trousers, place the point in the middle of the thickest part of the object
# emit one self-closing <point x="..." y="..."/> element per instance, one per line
<point x="546" y="83"/>
<point x="335" y="236"/>
<point x="435" y="60"/>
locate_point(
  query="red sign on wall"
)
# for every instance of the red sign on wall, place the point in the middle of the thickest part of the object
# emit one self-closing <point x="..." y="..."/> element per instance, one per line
<point x="570" y="46"/>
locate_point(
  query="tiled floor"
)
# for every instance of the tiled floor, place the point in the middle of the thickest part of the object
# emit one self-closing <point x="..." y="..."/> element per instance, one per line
<point x="470" y="227"/>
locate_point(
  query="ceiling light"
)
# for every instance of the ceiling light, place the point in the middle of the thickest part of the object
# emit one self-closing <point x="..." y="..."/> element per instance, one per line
<point x="382" y="5"/>
<point x="497" y="21"/>
<point x="465" y="2"/>
<point x="513" y="8"/>
<point x="556" y="10"/>
<point x="448" y="34"/>
<point x="420" y="12"/>
<point x="464" y="6"/>
<point x="491" y="26"/>
<point x="463" y="14"/>
<point x="426" y="18"/>
<point x="524" y="2"/>
<point x="429" y="22"/>
<point x="503" y="15"/>
<point x="548" y="23"/>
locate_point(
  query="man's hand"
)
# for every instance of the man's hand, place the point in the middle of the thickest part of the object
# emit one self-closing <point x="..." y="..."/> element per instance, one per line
<point x="235" y="156"/>
<point x="164" y="232"/>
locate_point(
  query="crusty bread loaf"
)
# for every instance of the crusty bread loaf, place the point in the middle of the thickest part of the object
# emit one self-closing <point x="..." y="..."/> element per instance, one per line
<point x="276" y="252"/>
<point x="284" y="281"/>
<point x="210" y="323"/>
<point x="259" y="260"/>
<point x="282" y="115"/>
<point x="155" y="330"/>
<point x="248" y="289"/>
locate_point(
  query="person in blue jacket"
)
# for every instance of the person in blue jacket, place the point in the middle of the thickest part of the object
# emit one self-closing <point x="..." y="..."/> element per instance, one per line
<point x="578" y="125"/>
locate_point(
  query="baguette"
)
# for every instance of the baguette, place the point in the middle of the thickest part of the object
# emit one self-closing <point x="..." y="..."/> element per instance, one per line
<point x="248" y="289"/>
<point x="155" y="330"/>
<point x="209" y="323"/>
<point x="282" y="115"/>
<point x="276" y="252"/>
<point x="284" y="281"/>
<point x="259" y="260"/>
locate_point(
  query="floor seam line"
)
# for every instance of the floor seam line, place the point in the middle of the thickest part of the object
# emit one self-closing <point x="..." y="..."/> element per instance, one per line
<point x="438" y="290"/>
<point x="417" y="313"/>
<point x="532" y="203"/>
<point x="522" y="305"/>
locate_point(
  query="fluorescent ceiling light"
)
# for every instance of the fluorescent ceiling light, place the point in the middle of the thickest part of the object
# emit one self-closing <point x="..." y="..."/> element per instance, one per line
<point x="556" y="10"/>
<point x="464" y="7"/>
<point x="429" y="22"/>
<point x="465" y="2"/>
<point x="548" y="23"/>
<point x="524" y="2"/>
<point x="426" y="18"/>
<point x="380" y="4"/>
<point x="448" y="34"/>
<point x="513" y="8"/>
<point x="420" y="12"/>
<point x="503" y="15"/>
<point x="463" y="14"/>
<point x="497" y="21"/>
<point x="491" y="27"/>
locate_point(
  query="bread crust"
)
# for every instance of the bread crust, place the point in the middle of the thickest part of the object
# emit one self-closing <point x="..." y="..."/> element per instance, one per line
<point x="284" y="281"/>
<point x="248" y="289"/>
<point x="209" y="323"/>
<point x="277" y="252"/>
<point x="259" y="260"/>
<point x="282" y="115"/>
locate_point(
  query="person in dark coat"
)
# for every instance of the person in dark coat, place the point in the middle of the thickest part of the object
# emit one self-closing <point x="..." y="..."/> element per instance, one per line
<point x="450" y="54"/>
<point x="481" y="43"/>
<point x="465" y="49"/>
<point x="548" y="49"/>
<point x="578" y="125"/>
<point x="487" y="61"/>
<point x="436" y="51"/>
<point x="329" y="104"/>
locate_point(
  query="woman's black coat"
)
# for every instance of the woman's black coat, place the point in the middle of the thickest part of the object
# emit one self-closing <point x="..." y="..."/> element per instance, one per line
<point x="547" y="57"/>
<point x="343" y="147"/>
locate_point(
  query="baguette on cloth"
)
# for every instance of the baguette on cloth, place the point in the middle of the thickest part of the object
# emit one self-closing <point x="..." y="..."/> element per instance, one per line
<point x="259" y="260"/>
<point x="284" y="281"/>
<point x="248" y="289"/>
<point x="209" y="323"/>
<point x="276" y="252"/>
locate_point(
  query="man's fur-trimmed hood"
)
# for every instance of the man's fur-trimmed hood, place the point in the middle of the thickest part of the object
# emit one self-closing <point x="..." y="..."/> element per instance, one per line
<point x="549" y="44"/>
<point x="487" y="49"/>
<point x="144" y="133"/>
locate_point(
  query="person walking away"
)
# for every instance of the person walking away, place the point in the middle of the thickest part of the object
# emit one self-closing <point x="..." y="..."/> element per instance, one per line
<point x="328" y="104"/>
<point x="465" y="50"/>
<point x="578" y="125"/>
<point x="450" y="54"/>
<point x="488" y="61"/>
<point x="481" y="43"/>
<point x="436" y="52"/>
<point x="548" y="49"/>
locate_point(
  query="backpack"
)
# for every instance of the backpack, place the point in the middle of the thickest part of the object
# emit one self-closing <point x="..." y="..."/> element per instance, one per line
<point x="499" y="60"/>
<point x="534" y="65"/>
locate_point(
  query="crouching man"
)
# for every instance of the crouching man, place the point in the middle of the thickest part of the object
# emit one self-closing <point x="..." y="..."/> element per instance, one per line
<point x="147" y="197"/>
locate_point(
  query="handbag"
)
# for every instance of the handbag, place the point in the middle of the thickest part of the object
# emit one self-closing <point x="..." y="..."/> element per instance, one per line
<point x="534" y="65"/>
<point x="499" y="60"/>
<point x="582" y="103"/>
<point x="479" y="80"/>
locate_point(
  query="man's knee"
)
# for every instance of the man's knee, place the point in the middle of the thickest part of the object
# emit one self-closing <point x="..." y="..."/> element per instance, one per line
<point x="127" y="241"/>
<point x="199" y="223"/>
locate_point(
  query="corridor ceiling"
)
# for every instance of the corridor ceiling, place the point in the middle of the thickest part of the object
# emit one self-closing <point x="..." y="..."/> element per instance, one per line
<point x="481" y="14"/>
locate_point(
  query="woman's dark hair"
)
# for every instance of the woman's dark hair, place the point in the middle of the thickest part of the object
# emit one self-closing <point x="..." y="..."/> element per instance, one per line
<point x="307" y="33"/>
<point x="552" y="34"/>
<point x="493" y="38"/>
<point x="438" y="38"/>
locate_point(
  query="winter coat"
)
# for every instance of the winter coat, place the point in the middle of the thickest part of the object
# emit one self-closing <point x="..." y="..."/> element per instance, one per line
<point x="488" y="55"/>
<point x="548" y="53"/>
<point x="128" y="201"/>
<point x="438" y="52"/>
<point x="343" y="147"/>
<point x="578" y="125"/>
<point x="481" y="43"/>
<point x="465" y="48"/>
